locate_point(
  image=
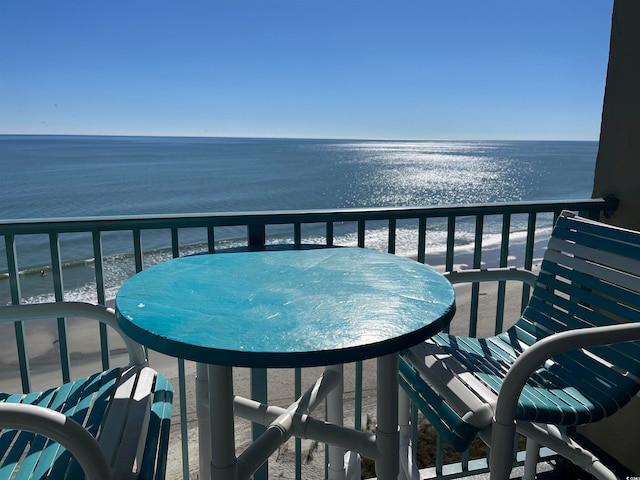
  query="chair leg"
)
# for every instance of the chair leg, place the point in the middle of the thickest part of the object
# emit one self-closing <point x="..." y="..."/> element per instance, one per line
<point x="408" y="468"/>
<point x="552" y="437"/>
<point x="531" y="459"/>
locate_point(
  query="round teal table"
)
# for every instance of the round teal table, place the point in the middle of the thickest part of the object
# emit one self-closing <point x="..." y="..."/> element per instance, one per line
<point x="287" y="308"/>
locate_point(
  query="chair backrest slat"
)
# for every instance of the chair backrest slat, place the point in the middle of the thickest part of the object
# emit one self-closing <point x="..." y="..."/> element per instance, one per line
<point x="581" y="302"/>
<point x="595" y="285"/>
<point x="627" y="354"/>
<point x="590" y="276"/>
<point x="613" y="268"/>
<point x="604" y="238"/>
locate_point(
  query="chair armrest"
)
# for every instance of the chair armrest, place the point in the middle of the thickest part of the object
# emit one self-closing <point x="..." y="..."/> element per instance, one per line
<point x="503" y="429"/>
<point x="13" y="313"/>
<point x="64" y="430"/>
<point x="492" y="275"/>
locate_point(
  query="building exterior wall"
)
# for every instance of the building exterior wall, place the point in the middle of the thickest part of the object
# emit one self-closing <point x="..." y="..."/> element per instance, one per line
<point x="618" y="163"/>
<point x="618" y="174"/>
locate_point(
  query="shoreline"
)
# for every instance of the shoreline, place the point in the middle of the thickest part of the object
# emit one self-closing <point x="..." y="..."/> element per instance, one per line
<point x="80" y="279"/>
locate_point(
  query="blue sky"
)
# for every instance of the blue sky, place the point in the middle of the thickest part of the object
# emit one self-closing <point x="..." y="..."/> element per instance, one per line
<point x="404" y="69"/>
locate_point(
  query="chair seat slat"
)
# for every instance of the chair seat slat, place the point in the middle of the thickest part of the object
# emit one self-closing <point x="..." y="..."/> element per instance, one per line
<point x="93" y="422"/>
<point x="101" y="400"/>
<point x="10" y="463"/>
<point x="131" y="447"/>
<point x="86" y="402"/>
<point x="492" y="374"/>
<point x="468" y="392"/>
<point x="583" y="364"/>
<point x="43" y="453"/>
<point x="522" y="333"/>
<point x="564" y="403"/>
<point x="547" y="318"/>
<point x="625" y="355"/>
<point x="158" y="422"/>
<point x="537" y="402"/>
<point x="453" y="429"/>
<point x="13" y="442"/>
<point x="110" y="434"/>
<point x="596" y="378"/>
<point x="77" y="406"/>
<point x="7" y="436"/>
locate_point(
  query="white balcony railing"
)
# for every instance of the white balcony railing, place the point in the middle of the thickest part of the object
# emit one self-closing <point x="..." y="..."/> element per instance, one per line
<point x="89" y="258"/>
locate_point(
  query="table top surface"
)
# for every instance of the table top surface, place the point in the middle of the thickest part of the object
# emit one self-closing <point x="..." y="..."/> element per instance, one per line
<point x="285" y="308"/>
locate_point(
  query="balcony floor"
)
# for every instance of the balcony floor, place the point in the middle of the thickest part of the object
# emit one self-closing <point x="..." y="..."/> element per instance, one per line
<point x="546" y="471"/>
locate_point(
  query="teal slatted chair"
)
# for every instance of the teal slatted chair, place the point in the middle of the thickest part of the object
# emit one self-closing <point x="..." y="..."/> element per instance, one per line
<point x="110" y="425"/>
<point x="572" y="358"/>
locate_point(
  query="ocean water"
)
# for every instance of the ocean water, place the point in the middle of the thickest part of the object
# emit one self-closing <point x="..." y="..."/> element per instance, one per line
<point x="67" y="176"/>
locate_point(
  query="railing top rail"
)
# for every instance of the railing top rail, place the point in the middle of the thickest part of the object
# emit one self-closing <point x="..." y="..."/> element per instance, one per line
<point x="188" y="220"/>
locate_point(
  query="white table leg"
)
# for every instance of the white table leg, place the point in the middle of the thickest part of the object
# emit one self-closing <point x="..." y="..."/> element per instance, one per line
<point x="335" y="415"/>
<point x="204" y="422"/>
<point x="223" y="446"/>
<point x="408" y="468"/>
<point x="387" y="436"/>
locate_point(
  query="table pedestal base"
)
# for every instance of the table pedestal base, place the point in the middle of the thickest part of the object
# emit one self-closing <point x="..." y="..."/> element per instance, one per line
<point x="387" y="433"/>
<point x="223" y="446"/>
<point x="217" y="436"/>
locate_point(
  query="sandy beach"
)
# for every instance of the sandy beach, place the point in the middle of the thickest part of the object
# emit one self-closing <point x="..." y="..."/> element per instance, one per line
<point x="83" y="340"/>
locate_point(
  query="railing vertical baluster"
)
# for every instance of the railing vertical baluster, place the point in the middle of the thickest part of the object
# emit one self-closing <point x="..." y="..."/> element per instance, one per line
<point x="58" y="289"/>
<point x="391" y="247"/>
<point x="504" y="255"/>
<point x="98" y="266"/>
<point x="297" y="233"/>
<point x="528" y="256"/>
<point x="357" y="420"/>
<point x="256" y="233"/>
<point x="100" y="293"/>
<point x="329" y="233"/>
<point x="211" y="240"/>
<point x="297" y="386"/>
<point x="138" y="259"/>
<point x="175" y="243"/>
<point x="182" y="377"/>
<point x="137" y="249"/>
<point x="531" y="237"/>
<point x="475" y="287"/>
<point x="414" y="432"/>
<point x="257" y="237"/>
<point x="451" y="234"/>
<point x="184" y="432"/>
<point x="260" y="394"/>
<point x="422" y="239"/>
<point x="439" y="463"/>
<point x="464" y="460"/>
<point x="16" y="296"/>
<point x="361" y="231"/>
<point x="12" y="267"/>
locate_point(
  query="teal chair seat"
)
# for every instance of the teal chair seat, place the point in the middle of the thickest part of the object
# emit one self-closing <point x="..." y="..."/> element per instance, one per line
<point x="583" y="318"/>
<point x="112" y="424"/>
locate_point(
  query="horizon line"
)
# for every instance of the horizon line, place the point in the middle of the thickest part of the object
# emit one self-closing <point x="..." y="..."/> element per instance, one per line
<point x="362" y="139"/>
